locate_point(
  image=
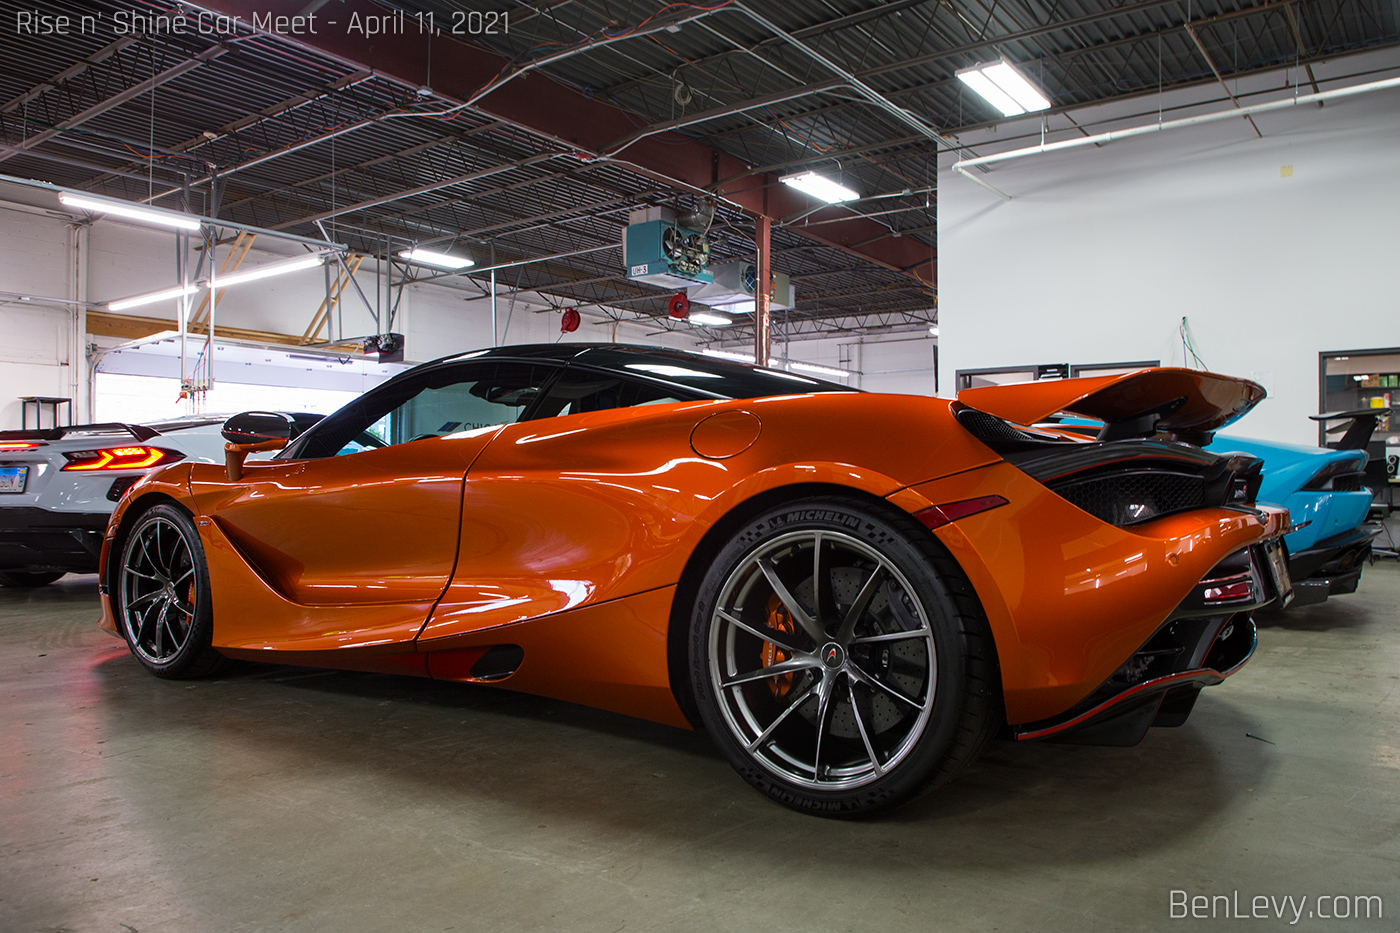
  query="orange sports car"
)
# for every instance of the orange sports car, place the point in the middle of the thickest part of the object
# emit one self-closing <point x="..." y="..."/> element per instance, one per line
<point x="852" y="592"/>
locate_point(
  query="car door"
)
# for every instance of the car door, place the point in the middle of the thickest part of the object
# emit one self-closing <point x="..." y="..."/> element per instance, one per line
<point x="365" y="509"/>
<point x="553" y="515"/>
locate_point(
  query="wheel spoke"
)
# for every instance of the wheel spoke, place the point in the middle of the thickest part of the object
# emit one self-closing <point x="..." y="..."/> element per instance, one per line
<point x="775" y="670"/>
<point x="142" y="600"/>
<point x="162" y="568"/>
<point x="861" y="603"/>
<point x="826" y="689"/>
<point x="860" y="724"/>
<point x="184" y="576"/>
<point x="146" y="553"/>
<point x="160" y="628"/>
<point x="766" y="634"/>
<point x="799" y="614"/>
<point x="792" y="707"/>
<point x="890" y="636"/>
<point x="823" y="599"/>
<point x="137" y="573"/>
<point x="145" y="618"/>
<point x="869" y="681"/>
<point x="175" y="640"/>
<point x="187" y="610"/>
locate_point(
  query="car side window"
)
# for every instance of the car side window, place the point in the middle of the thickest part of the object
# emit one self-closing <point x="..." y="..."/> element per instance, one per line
<point x="580" y="390"/>
<point x="440" y="400"/>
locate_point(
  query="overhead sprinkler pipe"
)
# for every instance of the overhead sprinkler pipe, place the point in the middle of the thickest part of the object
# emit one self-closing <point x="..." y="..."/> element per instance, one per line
<point x="962" y="165"/>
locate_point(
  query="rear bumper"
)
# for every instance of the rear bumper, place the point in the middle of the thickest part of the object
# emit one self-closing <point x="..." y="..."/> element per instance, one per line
<point x="1332" y="567"/>
<point x="1121" y="712"/>
<point x="1205" y="640"/>
<point x="33" y="539"/>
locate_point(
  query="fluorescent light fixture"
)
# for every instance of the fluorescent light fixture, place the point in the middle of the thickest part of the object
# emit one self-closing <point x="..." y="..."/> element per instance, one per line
<point x="1004" y="88"/>
<point x="727" y="355"/>
<point x="819" y="370"/>
<point x="267" y="271"/>
<point x="427" y="257"/>
<point x="823" y="189"/>
<point x="933" y="330"/>
<point x="143" y="215"/>
<point x="178" y="291"/>
<point x="713" y="320"/>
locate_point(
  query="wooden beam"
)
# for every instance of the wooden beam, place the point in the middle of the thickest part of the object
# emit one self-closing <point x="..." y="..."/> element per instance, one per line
<point x="328" y="304"/>
<point x="107" y="324"/>
<point x="236" y="254"/>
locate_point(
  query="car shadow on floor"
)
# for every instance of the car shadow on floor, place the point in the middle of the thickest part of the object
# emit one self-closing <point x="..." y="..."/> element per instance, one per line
<point x="475" y="749"/>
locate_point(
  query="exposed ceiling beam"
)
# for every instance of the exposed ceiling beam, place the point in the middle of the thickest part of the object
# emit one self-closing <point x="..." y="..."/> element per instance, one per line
<point x="576" y="123"/>
<point x="116" y="100"/>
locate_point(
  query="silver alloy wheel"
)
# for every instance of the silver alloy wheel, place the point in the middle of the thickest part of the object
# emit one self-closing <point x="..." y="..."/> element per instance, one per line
<point x="159" y="590"/>
<point x="822" y="659"/>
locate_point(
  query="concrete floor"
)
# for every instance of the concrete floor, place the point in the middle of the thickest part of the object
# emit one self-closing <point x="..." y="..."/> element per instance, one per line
<point x="287" y="799"/>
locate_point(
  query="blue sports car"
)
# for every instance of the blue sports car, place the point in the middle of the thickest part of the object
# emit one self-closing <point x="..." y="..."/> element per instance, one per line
<point x="1325" y="494"/>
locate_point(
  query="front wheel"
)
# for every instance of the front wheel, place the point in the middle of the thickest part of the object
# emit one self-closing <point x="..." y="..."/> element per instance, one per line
<point x="840" y="658"/>
<point x="162" y="596"/>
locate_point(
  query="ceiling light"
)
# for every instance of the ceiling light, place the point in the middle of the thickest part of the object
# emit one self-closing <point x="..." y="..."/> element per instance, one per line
<point x="727" y="355"/>
<point x="713" y="320"/>
<point x="178" y="291"/>
<point x="427" y="257"/>
<point x="267" y="271"/>
<point x="1004" y="88"/>
<point x="933" y="330"/>
<point x="821" y="188"/>
<point x="819" y="370"/>
<point x="130" y="211"/>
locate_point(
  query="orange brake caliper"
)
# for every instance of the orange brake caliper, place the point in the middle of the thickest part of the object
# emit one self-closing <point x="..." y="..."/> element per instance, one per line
<point x="780" y="621"/>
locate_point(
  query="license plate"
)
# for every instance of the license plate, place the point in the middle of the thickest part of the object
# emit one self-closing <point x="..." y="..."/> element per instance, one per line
<point x="1278" y="571"/>
<point x="12" y="478"/>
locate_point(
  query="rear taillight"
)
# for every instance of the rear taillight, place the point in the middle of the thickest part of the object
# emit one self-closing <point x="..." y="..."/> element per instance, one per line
<point x="120" y="458"/>
<point x="1225" y="591"/>
<point x="20" y="445"/>
<point x="1337" y="476"/>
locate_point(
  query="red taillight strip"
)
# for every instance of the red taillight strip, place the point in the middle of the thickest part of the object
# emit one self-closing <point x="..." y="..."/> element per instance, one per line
<point x="20" y="445"/>
<point x="122" y="458"/>
<point x="1228" y="592"/>
<point x="939" y="515"/>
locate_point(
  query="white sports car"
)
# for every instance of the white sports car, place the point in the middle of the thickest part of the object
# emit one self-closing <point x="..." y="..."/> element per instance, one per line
<point x="59" y="486"/>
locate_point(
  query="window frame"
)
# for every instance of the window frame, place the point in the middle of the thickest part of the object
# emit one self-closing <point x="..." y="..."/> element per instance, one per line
<point x="294" y="451"/>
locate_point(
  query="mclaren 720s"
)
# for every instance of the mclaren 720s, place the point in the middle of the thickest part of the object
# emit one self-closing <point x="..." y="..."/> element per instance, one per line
<point x="851" y="592"/>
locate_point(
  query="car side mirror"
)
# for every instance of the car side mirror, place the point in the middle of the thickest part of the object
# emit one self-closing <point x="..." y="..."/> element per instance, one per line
<point x="251" y="432"/>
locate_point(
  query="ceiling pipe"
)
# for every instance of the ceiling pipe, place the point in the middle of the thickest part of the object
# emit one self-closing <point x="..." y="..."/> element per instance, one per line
<point x="715" y="113"/>
<point x="865" y="90"/>
<point x="962" y="165"/>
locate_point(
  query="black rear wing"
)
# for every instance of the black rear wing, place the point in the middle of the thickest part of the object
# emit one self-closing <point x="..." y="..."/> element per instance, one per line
<point x="1358" y="432"/>
<point x="138" y="431"/>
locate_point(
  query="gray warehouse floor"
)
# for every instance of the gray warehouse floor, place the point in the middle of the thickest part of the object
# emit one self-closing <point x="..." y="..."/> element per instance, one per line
<point x="287" y="799"/>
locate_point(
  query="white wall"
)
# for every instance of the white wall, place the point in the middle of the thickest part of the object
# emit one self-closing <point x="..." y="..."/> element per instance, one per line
<point x="1102" y="251"/>
<point x="38" y="339"/>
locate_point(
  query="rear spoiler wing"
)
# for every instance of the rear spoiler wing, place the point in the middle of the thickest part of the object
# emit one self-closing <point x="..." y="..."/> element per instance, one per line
<point x="138" y="431"/>
<point x="1358" y="432"/>
<point x="1188" y="403"/>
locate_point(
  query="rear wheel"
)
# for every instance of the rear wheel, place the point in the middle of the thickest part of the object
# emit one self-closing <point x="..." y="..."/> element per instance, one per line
<point x="840" y="658"/>
<point x="162" y="596"/>
<point x="17" y="578"/>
